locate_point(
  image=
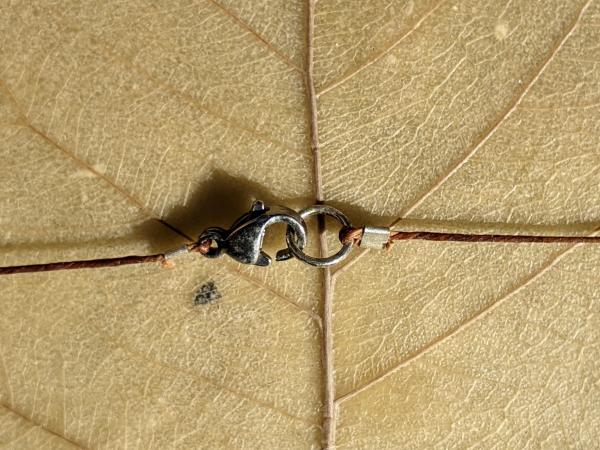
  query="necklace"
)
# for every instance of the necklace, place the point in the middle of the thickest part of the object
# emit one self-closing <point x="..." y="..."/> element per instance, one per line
<point x="243" y="241"/>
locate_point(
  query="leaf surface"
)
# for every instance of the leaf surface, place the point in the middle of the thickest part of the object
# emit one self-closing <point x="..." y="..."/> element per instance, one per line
<point x="128" y="126"/>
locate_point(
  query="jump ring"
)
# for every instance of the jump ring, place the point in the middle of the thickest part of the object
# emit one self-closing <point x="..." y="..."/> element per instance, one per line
<point x="216" y="235"/>
<point x="313" y="261"/>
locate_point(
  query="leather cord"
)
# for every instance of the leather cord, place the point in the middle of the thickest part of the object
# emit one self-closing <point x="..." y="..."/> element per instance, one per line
<point x="354" y="236"/>
<point x="163" y="258"/>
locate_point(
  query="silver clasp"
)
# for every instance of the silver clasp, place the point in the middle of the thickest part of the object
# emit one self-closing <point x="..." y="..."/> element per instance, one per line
<point x="244" y="239"/>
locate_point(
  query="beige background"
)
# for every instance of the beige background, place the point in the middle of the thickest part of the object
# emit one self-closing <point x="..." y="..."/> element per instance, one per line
<point x="120" y="117"/>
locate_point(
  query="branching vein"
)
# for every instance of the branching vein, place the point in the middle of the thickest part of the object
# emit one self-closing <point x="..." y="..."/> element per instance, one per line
<point x="439" y="182"/>
<point x="285" y="58"/>
<point x="376" y="57"/>
<point x="39" y="425"/>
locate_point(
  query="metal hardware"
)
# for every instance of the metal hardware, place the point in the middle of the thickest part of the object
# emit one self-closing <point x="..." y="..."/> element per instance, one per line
<point x="295" y="245"/>
<point x="243" y="241"/>
<point x="375" y="237"/>
<point x="177" y="252"/>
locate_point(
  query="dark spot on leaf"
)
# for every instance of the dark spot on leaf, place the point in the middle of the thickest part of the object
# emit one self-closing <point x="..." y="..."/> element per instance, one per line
<point x="206" y="293"/>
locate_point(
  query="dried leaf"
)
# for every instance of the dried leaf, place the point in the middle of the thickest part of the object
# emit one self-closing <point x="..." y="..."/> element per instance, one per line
<point x="126" y="126"/>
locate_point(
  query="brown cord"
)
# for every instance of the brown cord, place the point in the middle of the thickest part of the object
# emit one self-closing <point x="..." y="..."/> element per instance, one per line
<point x="197" y="247"/>
<point x="354" y="236"/>
<point x="347" y="236"/>
<point x="86" y="264"/>
<point x="200" y="247"/>
<point x="350" y="235"/>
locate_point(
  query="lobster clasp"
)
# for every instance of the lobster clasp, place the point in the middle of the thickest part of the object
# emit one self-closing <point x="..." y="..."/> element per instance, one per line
<point x="244" y="239"/>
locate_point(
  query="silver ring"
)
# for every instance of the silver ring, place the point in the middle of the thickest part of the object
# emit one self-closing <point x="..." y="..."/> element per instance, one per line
<point x="330" y="211"/>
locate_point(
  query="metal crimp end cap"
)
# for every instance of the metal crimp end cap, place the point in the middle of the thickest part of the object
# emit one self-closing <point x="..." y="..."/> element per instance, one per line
<point x="375" y="237"/>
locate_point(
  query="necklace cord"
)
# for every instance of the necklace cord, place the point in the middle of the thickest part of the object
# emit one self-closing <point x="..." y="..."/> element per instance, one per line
<point x="355" y="235"/>
<point x="348" y="236"/>
<point x="164" y="259"/>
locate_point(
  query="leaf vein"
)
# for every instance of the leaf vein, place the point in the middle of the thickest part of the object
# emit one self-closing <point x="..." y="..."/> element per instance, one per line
<point x="39" y="425"/>
<point x="526" y="281"/>
<point x="376" y="57"/>
<point x="497" y="124"/>
<point x="454" y="168"/>
<point x="285" y="58"/>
